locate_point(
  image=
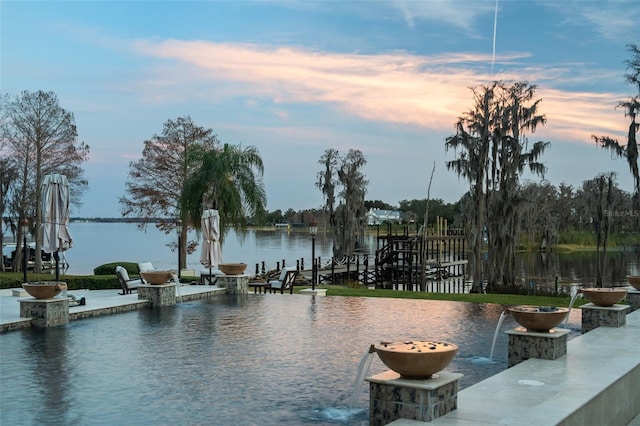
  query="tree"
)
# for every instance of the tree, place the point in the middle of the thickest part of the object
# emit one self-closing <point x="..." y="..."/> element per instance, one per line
<point x="327" y="183"/>
<point x="516" y="115"/>
<point x="156" y="181"/>
<point x="228" y="179"/>
<point x="597" y="196"/>
<point x="491" y="145"/>
<point x="7" y="175"/>
<point x="378" y="204"/>
<point x="539" y="216"/>
<point x="271" y="218"/>
<point x="629" y="151"/>
<point x="471" y="143"/>
<point x="437" y="208"/>
<point x="39" y="138"/>
<point x="349" y="220"/>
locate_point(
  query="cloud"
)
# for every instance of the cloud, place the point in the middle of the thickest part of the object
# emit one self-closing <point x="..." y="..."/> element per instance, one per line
<point x="397" y="87"/>
<point x="453" y="12"/>
<point x="616" y="21"/>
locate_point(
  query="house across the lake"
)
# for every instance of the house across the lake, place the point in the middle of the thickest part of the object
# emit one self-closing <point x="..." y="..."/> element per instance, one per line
<point x="379" y="216"/>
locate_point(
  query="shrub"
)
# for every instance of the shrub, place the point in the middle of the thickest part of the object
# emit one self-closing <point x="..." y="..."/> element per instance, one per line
<point x="74" y="282"/>
<point x="109" y="268"/>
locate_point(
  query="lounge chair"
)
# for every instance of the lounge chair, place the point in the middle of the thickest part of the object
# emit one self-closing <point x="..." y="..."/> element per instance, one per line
<point x="127" y="284"/>
<point x="284" y="281"/>
<point x="145" y="266"/>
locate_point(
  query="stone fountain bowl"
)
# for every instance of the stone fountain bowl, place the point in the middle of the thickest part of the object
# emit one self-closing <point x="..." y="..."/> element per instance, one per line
<point x="44" y="289"/>
<point x="538" y="318"/>
<point x="232" y="268"/>
<point x="156" y="277"/>
<point x="634" y="281"/>
<point x="416" y="359"/>
<point x="604" y="296"/>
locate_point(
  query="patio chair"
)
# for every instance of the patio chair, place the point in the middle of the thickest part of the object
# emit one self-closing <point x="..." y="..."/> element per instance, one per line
<point x="209" y="276"/>
<point x="127" y="284"/>
<point x="284" y="281"/>
<point x="145" y="266"/>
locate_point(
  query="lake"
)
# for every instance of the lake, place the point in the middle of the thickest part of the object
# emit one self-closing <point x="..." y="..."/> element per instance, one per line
<point x="96" y="243"/>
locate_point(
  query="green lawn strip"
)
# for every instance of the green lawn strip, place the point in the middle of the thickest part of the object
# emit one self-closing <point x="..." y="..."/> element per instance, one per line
<point x="501" y="299"/>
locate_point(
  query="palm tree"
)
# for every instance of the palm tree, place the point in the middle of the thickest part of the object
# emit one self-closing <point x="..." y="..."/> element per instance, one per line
<point x="228" y="180"/>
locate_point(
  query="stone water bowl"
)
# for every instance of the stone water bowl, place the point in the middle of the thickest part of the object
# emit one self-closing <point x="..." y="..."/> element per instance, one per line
<point x="157" y="277"/>
<point x="538" y="318"/>
<point x="232" y="268"/>
<point x="44" y="289"/>
<point x="416" y="359"/>
<point x="604" y="296"/>
<point x="634" y="281"/>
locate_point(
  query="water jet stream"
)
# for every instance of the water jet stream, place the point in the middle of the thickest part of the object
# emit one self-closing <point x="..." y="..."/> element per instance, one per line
<point x="363" y="369"/>
<point x="495" y="334"/>
<point x="573" y="299"/>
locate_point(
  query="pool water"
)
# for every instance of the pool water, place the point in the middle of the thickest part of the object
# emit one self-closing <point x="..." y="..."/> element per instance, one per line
<point x="232" y="360"/>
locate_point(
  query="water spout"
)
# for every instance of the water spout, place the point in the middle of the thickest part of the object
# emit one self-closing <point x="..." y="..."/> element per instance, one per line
<point x="363" y="369"/>
<point x="176" y="280"/>
<point x="574" y="295"/>
<point x="495" y="334"/>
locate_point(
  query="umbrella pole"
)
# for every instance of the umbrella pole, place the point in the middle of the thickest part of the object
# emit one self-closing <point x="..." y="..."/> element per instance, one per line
<point x="57" y="258"/>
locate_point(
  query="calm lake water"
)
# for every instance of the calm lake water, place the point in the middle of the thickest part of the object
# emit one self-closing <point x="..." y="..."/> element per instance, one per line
<point x="95" y="244"/>
<point x="98" y="243"/>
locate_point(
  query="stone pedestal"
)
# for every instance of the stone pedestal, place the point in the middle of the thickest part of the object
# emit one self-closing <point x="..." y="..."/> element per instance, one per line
<point x="633" y="299"/>
<point x="530" y="344"/>
<point x="45" y="312"/>
<point x="594" y="316"/>
<point x="235" y="284"/>
<point x="158" y="295"/>
<point x="391" y="397"/>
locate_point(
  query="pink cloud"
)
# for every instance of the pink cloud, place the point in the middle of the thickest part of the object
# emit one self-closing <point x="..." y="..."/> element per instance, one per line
<point x="429" y="92"/>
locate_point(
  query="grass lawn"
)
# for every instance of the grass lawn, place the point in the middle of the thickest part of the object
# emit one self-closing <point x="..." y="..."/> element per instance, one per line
<point x="501" y="299"/>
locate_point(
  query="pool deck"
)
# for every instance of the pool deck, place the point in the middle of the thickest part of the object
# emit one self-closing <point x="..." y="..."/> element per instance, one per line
<point x="98" y="303"/>
<point x="597" y="378"/>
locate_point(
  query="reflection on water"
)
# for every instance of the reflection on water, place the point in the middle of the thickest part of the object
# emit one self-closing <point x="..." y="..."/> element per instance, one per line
<point x="266" y="359"/>
<point x="99" y="243"/>
<point x="95" y="244"/>
<point x="578" y="267"/>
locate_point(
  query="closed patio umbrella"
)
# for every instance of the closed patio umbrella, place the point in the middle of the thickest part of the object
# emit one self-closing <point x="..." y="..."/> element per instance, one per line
<point x="55" y="216"/>
<point x="211" y="254"/>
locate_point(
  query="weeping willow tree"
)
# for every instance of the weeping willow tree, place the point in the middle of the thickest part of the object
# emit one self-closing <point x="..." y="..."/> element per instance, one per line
<point x="631" y="106"/>
<point x="492" y="151"/>
<point x="348" y="219"/>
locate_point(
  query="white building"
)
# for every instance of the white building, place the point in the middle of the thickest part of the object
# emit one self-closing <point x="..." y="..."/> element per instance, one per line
<point x="377" y="216"/>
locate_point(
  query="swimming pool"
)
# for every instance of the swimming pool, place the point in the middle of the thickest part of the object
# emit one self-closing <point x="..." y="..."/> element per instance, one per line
<point x="231" y="360"/>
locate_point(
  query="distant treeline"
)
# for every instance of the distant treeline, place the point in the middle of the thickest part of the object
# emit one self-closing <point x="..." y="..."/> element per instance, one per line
<point x="118" y="219"/>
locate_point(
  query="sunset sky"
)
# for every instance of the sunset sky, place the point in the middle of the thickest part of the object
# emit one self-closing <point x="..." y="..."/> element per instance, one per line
<point x="295" y="78"/>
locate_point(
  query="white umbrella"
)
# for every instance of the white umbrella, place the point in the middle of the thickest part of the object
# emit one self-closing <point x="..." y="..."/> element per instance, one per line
<point x="211" y="253"/>
<point x="55" y="216"/>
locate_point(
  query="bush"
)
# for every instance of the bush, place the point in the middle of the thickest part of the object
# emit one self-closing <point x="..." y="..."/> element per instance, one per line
<point x="109" y="268"/>
<point x="74" y="282"/>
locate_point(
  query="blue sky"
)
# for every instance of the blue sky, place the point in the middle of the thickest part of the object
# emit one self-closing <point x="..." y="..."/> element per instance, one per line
<point x="294" y="78"/>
